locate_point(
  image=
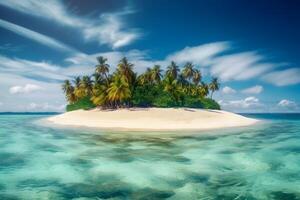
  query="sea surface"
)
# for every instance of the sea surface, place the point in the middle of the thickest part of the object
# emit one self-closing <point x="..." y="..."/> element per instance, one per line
<point x="257" y="162"/>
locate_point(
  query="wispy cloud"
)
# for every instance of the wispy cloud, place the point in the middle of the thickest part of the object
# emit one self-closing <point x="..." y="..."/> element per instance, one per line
<point x="35" y="36"/>
<point x="224" y="64"/>
<point x="41" y="70"/>
<point x="228" y="90"/>
<point x="111" y="32"/>
<point x="257" y="89"/>
<point x="284" y="77"/>
<point x="52" y="10"/>
<point x="201" y="55"/>
<point x="10" y="47"/>
<point x="109" y="28"/>
<point x="246" y="104"/>
<point x="239" y="66"/>
<point x="28" y="88"/>
<point x="214" y="58"/>
<point x="287" y="103"/>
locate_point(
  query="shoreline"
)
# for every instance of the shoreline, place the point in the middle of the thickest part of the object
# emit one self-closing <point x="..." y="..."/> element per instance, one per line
<point x="152" y="119"/>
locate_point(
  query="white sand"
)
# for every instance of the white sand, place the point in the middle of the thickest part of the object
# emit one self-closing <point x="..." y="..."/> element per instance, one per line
<point x="157" y="119"/>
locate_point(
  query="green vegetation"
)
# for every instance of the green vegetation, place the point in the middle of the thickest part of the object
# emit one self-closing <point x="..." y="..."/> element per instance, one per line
<point x="84" y="103"/>
<point x="124" y="88"/>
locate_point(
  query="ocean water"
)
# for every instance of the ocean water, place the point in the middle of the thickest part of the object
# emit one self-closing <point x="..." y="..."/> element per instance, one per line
<point x="258" y="162"/>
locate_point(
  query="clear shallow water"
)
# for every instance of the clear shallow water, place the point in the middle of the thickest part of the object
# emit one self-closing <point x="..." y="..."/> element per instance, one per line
<point x="259" y="162"/>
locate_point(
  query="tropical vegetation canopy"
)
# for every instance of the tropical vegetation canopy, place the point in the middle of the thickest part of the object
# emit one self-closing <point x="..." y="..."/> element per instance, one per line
<point x="155" y="88"/>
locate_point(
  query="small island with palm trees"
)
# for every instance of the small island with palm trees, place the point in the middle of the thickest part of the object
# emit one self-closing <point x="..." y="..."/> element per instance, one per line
<point x="124" y="88"/>
<point x="176" y="99"/>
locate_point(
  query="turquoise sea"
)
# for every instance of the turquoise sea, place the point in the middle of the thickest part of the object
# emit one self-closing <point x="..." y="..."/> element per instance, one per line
<point x="258" y="162"/>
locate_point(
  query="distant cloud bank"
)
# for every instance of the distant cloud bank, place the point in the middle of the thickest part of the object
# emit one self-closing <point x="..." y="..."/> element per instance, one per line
<point x="28" y="88"/>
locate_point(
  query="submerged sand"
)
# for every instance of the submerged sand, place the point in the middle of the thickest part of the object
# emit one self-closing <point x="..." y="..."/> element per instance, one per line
<point x="155" y="119"/>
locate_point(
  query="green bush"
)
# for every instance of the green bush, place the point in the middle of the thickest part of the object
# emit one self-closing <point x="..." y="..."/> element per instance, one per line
<point x="144" y="96"/>
<point x="164" y="100"/>
<point x="84" y="103"/>
<point x="193" y="102"/>
<point x="210" y="104"/>
<point x="149" y="95"/>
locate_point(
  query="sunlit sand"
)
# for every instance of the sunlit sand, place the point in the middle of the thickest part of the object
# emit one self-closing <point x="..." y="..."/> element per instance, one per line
<point x="157" y="119"/>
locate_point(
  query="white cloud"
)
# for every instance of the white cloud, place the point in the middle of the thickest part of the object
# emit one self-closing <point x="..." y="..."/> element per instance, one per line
<point x="50" y="92"/>
<point x="108" y="29"/>
<point x="287" y="103"/>
<point x="37" y="37"/>
<point x="253" y="90"/>
<point x="240" y="66"/>
<point x="282" y="78"/>
<point x="111" y="32"/>
<point x="45" y="107"/>
<point x="228" y="90"/>
<point x="235" y="67"/>
<point x="52" y="10"/>
<point x="28" y="88"/>
<point x="248" y="103"/>
<point x="201" y="54"/>
<point x="40" y="65"/>
<point x="33" y="69"/>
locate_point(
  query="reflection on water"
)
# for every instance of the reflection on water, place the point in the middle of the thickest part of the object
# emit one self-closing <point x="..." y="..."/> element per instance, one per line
<point x="261" y="162"/>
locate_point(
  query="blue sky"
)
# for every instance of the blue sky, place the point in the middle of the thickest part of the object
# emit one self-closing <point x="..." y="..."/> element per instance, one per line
<point x="252" y="46"/>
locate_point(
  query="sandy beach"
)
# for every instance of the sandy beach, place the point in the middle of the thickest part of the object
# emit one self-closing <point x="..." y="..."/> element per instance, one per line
<point x="155" y="119"/>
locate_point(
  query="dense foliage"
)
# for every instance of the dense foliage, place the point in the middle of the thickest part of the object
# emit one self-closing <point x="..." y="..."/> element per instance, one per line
<point x="84" y="103"/>
<point x="124" y="88"/>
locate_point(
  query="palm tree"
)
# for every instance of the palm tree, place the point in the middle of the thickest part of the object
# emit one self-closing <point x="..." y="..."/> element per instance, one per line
<point x="98" y="79"/>
<point x="171" y="86"/>
<point x="118" y="91"/>
<point x="182" y="81"/>
<point x="148" y="76"/>
<point x="126" y="69"/>
<point x="87" y="84"/>
<point x="69" y="91"/>
<point x="77" y="81"/>
<point x="85" y="87"/>
<point x="99" y="96"/>
<point x="102" y="67"/>
<point x="142" y="79"/>
<point x="213" y="86"/>
<point x="197" y="76"/>
<point x="156" y="74"/>
<point x="203" y="90"/>
<point x="66" y="86"/>
<point x="172" y="70"/>
<point x="188" y="70"/>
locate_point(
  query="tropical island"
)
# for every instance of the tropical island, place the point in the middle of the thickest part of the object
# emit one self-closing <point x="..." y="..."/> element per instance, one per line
<point x="124" y="88"/>
<point x="174" y="100"/>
